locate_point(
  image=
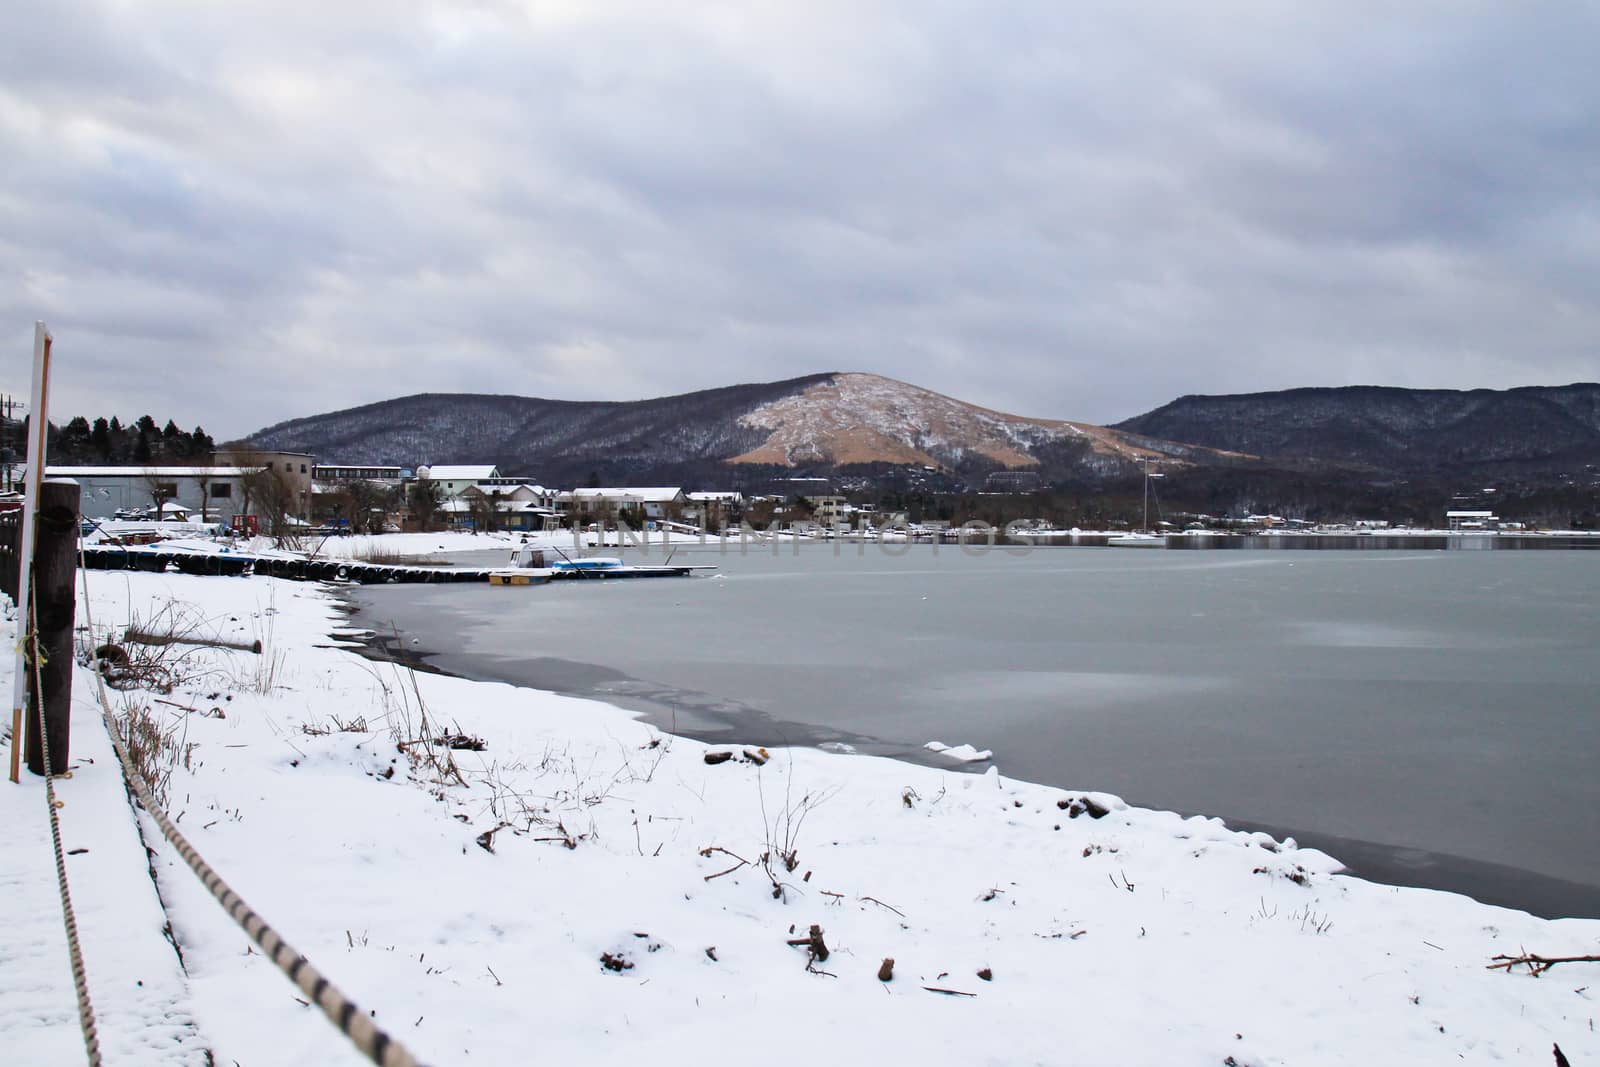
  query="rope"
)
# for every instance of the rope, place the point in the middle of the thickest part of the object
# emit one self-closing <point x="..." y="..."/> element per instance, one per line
<point x="80" y="980"/>
<point x="367" y="1036"/>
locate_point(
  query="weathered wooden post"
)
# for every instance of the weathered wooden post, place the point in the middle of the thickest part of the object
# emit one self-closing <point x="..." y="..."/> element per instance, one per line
<point x="55" y="567"/>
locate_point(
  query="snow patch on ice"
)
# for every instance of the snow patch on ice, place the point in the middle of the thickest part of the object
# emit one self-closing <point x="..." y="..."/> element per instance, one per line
<point x="962" y="753"/>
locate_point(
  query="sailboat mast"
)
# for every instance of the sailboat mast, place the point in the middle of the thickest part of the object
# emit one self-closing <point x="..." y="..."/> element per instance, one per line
<point x="1147" y="496"/>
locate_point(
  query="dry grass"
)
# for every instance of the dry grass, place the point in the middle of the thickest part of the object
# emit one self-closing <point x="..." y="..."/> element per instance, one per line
<point x="155" y="749"/>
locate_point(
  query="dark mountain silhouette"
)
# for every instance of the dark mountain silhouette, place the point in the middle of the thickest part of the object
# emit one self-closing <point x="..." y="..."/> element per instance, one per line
<point x="1535" y="432"/>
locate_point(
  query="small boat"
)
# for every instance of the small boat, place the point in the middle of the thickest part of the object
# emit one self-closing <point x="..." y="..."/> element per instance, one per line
<point x="517" y="578"/>
<point x="587" y="563"/>
<point x="1143" y="538"/>
<point x="533" y="566"/>
<point x="1137" y="540"/>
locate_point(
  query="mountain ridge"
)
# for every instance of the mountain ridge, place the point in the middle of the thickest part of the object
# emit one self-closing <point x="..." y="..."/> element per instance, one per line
<point x="830" y="423"/>
<point x="1388" y="428"/>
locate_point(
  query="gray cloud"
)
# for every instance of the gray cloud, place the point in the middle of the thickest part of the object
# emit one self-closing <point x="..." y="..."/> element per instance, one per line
<point x="240" y="214"/>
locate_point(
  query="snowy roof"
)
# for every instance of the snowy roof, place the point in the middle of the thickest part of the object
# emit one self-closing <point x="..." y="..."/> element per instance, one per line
<point x="333" y="463"/>
<point x="650" y="494"/>
<point x="508" y="487"/>
<point x="459" y="473"/>
<point x="141" y="472"/>
<point x="462" y="506"/>
<point x="713" y="497"/>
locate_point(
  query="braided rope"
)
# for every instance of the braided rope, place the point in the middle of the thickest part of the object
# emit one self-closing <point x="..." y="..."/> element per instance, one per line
<point x="367" y="1036"/>
<point x="80" y="979"/>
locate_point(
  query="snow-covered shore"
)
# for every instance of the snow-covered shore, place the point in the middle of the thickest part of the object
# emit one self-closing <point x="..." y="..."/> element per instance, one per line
<point x="472" y="914"/>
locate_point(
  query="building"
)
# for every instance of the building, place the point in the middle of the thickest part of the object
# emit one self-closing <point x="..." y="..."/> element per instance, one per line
<point x="516" y="506"/>
<point x="214" y="494"/>
<point x="827" y="510"/>
<point x="655" y="502"/>
<point x="454" y="479"/>
<point x="328" y="473"/>
<point x="714" y="510"/>
<point x="1467" y="521"/>
<point x="294" y="469"/>
<point x="1013" y="482"/>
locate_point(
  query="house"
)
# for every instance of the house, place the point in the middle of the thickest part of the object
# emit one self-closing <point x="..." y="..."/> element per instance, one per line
<point x="826" y="509"/>
<point x="453" y="480"/>
<point x="516" y="505"/>
<point x="655" y="502"/>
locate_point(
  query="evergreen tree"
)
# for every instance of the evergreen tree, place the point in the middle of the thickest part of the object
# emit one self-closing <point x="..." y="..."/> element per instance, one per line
<point x="100" y="440"/>
<point x="72" y="441"/>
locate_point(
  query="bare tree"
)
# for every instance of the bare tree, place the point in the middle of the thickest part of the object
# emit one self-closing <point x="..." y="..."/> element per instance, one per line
<point x="484" y="509"/>
<point x="358" y="501"/>
<point x="272" y="489"/>
<point x="204" y="480"/>
<point x="160" y="488"/>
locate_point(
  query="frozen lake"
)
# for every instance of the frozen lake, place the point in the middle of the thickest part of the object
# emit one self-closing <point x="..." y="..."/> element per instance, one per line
<point x="1430" y="717"/>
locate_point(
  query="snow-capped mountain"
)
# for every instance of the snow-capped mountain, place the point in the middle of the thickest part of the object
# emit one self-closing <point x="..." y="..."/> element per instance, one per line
<point x="864" y="418"/>
<point x="847" y="419"/>
<point x="739" y="434"/>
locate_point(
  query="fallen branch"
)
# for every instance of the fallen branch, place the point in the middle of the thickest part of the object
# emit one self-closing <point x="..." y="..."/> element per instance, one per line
<point x="139" y="637"/>
<point x="1537" y="965"/>
<point x="948" y="992"/>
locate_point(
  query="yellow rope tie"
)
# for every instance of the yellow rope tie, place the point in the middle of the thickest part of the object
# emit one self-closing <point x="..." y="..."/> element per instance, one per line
<point x="370" y="1039"/>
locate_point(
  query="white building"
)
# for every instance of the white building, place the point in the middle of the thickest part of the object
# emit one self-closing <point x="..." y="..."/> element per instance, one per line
<point x="453" y="480"/>
<point x="214" y="493"/>
<point x="1472" y="520"/>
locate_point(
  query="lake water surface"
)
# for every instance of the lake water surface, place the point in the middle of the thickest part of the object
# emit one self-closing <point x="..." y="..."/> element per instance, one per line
<point x="1429" y="717"/>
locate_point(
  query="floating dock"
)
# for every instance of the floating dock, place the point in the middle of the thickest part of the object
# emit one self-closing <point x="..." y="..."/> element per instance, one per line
<point x="156" y="558"/>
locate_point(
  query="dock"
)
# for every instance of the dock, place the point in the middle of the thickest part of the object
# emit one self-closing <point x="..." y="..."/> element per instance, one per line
<point x="156" y="558"/>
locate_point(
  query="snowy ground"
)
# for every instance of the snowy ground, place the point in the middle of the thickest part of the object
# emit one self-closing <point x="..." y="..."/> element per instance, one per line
<point x="472" y="914"/>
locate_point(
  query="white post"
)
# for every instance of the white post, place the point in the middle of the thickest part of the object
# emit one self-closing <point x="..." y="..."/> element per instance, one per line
<point x="38" y="432"/>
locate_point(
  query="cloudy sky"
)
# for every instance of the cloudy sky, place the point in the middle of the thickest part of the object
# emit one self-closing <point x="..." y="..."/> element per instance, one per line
<point x="236" y="213"/>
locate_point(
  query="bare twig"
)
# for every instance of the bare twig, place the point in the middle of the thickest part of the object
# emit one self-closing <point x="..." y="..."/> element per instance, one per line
<point x="730" y="870"/>
<point x="881" y="904"/>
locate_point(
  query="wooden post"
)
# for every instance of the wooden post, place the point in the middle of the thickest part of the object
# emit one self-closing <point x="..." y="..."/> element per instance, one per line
<point x="38" y="438"/>
<point x="55" y="566"/>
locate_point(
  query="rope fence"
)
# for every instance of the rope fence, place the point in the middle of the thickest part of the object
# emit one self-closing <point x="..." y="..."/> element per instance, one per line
<point x="80" y="980"/>
<point x="371" y="1040"/>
